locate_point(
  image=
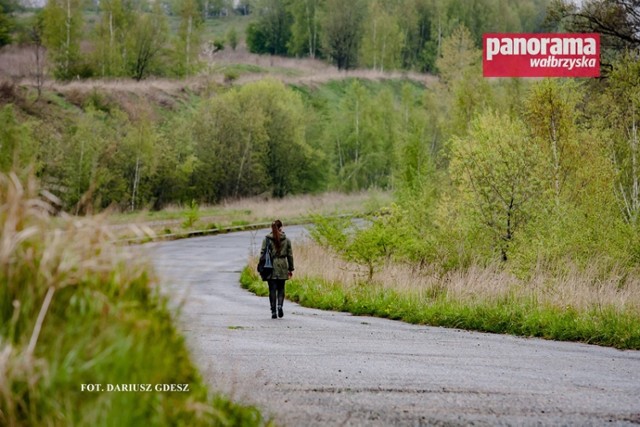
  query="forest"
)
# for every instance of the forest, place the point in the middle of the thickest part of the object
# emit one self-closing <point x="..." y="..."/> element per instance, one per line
<point x="525" y="171"/>
<point x="516" y="202"/>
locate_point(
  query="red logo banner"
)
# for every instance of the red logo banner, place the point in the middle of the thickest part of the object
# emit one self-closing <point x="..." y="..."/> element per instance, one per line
<point x="540" y="55"/>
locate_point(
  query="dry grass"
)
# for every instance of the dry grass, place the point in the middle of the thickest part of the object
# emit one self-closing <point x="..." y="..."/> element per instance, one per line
<point x="304" y="205"/>
<point x="579" y="289"/>
<point x="17" y="62"/>
<point x="253" y="210"/>
<point x="310" y="70"/>
<point x="76" y="309"/>
<point x="37" y="259"/>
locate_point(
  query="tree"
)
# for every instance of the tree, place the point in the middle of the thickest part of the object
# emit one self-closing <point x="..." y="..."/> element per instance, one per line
<point x="62" y="30"/>
<point x="342" y="31"/>
<point x="82" y="148"/>
<point x="35" y="34"/>
<point x="383" y="39"/>
<point x="497" y="171"/>
<point x="416" y="21"/>
<point x="272" y="31"/>
<point x="172" y="181"/>
<point x="146" y="42"/>
<point x="6" y="26"/>
<point x="139" y="154"/>
<point x="17" y="146"/>
<point x="363" y="131"/>
<point x="187" y="42"/>
<point x="305" y="29"/>
<point x="459" y="67"/>
<point x="458" y="54"/>
<point x="116" y="20"/>
<point x="551" y="116"/>
<point x="239" y="157"/>
<point x="619" y="19"/>
<point x="232" y="38"/>
<point x="624" y="115"/>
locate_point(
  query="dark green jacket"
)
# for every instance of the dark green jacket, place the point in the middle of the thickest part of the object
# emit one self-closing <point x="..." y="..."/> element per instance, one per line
<point x="283" y="260"/>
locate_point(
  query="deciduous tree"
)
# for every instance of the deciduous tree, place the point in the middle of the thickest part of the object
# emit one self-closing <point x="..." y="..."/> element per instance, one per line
<point x="305" y="29"/>
<point x="342" y="31"/>
<point x="497" y="172"/>
<point x="63" y="22"/>
<point x="383" y="39"/>
<point x="624" y="115"/>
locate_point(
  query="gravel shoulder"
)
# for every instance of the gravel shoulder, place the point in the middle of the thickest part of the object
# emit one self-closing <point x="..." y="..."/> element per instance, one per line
<point x="319" y="368"/>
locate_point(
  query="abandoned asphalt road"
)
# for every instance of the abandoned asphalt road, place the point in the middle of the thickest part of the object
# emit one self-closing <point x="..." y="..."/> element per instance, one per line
<point x="331" y="369"/>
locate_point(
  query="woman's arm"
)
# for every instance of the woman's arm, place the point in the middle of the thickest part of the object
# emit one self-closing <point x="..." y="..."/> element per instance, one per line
<point x="290" y="256"/>
<point x="264" y="246"/>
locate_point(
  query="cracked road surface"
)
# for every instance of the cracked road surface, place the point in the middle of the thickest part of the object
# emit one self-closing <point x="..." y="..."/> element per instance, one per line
<point x="331" y="369"/>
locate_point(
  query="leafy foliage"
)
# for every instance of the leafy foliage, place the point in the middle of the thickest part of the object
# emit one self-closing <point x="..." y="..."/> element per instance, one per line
<point x="63" y="21"/>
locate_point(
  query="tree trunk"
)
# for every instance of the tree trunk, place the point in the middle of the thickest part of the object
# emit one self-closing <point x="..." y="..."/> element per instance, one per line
<point x="188" y="48"/>
<point x="136" y="179"/>
<point x="245" y="155"/>
<point x="79" y="180"/>
<point x="111" y="42"/>
<point x="38" y="70"/>
<point x="635" y="191"/>
<point x="556" y="157"/>
<point x="67" y="46"/>
<point x="357" y="154"/>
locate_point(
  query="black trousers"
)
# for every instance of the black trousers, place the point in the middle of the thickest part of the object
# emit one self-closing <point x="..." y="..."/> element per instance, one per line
<point x="276" y="292"/>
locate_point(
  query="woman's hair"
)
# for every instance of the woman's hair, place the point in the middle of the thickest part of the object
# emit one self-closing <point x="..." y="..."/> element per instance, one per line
<point x="275" y="230"/>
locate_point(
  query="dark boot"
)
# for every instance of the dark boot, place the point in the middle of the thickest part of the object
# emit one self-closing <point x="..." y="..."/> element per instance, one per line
<point x="272" y="300"/>
<point x="280" y="301"/>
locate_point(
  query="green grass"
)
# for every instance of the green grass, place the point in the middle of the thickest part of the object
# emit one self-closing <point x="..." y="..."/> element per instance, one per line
<point x="106" y="324"/>
<point x="526" y="318"/>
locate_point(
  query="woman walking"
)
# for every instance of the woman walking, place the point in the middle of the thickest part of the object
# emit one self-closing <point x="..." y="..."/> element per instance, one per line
<point x="281" y="253"/>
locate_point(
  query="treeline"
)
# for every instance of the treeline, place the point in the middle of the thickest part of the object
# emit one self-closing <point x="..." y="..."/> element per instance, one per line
<point x="97" y="149"/>
<point x="540" y="175"/>
<point x="115" y="38"/>
<point x="379" y="34"/>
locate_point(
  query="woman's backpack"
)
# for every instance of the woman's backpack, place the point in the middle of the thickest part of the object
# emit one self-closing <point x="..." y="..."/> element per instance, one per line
<point x="265" y="267"/>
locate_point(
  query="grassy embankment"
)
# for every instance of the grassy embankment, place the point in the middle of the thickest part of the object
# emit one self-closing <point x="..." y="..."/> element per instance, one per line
<point x="573" y="305"/>
<point x="76" y="310"/>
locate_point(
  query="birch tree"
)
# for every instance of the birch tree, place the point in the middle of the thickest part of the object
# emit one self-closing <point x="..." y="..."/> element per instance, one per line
<point x="115" y="21"/>
<point x="187" y="42"/>
<point x="62" y="30"/>
<point x="383" y="40"/>
<point x="140" y="148"/>
<point x="306" y="29"/>
<point x="624" y="100"/>
<point x="551" y="112"/>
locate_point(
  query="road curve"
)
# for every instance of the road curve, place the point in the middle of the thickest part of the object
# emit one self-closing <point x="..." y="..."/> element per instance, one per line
<point x="324" y="368"/>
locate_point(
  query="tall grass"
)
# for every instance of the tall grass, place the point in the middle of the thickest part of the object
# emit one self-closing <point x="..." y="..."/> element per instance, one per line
<point x="573" y="304"/>
<point x="76" y="310"/>
<point x="294" y="208"/>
